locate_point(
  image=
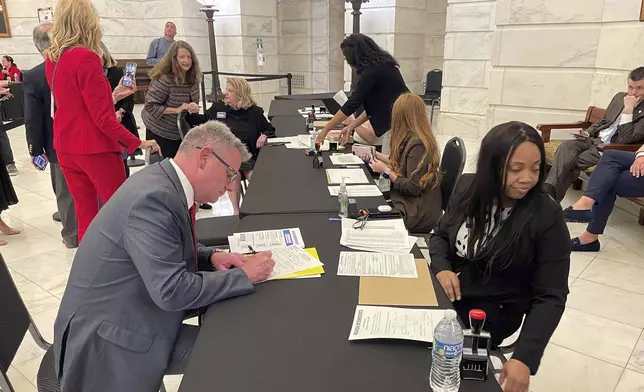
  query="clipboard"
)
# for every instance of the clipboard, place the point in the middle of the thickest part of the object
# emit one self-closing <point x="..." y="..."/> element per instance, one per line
<point x="399" y="292"/>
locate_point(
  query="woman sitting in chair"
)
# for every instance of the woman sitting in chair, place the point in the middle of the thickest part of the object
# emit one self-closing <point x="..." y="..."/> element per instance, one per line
<point x="503" y="247"/>
<point x="247" y="121"/>
<point x="413" y="166"/>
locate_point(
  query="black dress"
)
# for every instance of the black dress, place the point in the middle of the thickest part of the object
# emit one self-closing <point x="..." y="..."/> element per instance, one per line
<point x="247" y="124"/>
<point x="8" y="195"/>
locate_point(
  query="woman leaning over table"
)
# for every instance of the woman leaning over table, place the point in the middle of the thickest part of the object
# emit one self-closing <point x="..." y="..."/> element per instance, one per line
<point x="87" y="136"/>
<point x="503" y="247"/>
<point x="413" y="166"/>
<point x="246" y="120"/>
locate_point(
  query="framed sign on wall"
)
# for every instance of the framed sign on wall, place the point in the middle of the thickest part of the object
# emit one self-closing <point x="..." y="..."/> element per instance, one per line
<point x="4" y="20"/>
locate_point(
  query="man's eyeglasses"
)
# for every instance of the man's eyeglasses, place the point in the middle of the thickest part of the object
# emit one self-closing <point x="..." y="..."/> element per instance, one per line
<point x="232" y="175"/>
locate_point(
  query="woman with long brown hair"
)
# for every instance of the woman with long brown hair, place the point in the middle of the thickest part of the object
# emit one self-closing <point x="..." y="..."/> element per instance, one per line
<point x="413" y="166"/>
<point x="87" y="136"/>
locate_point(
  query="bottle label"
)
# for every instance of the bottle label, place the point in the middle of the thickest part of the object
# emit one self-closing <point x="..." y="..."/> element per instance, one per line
<point x="448" y="351"/>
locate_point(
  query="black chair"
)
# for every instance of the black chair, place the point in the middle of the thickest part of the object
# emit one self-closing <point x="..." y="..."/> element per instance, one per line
<point x="452" y="164"/>
<point x="432" y="90"/>
<point x="14" y="324"/>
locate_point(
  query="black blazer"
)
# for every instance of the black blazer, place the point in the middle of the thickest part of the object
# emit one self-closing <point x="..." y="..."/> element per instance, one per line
<point x="535" y="283"/>
<point x="114" y="75"/>
<point x="38" y="122"/>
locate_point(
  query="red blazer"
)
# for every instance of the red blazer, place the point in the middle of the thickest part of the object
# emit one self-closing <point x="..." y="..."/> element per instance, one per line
<point x="13" y="71"/>
<point x="85" y="121"/>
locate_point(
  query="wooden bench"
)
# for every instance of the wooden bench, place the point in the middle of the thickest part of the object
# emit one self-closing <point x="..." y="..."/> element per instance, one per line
<point x="593" y="115"/>
<point x="142" y="77"/>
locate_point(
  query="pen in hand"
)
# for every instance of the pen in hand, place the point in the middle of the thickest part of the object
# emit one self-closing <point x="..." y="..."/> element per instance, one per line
<point x="252" y="251"/>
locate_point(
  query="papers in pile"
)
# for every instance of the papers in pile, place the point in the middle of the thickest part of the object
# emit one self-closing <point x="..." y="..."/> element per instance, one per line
<point x="346" y="159"/>
<point x="357" y="190"/>
<point x="303" y="142"/>
<point x="292" y="261"/>
<point x="375" y="322"/>
<point x="387" y="265"/>
<point x="351" y="176"/>
<point x="382" y="236"/>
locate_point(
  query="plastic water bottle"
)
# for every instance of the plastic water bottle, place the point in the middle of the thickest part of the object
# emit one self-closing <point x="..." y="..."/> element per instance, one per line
<point x="343" y="200"/>
<point x="447" y="351"/>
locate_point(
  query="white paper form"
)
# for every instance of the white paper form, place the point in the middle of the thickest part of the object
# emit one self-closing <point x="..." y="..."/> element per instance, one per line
<point x="290" y="260"/>
<point x="346" y="159"/>
<point x="303" y="142"/>
<point x="288" y="139"/>
<point x="357" y="190"/>
<point x="379" y="322"/>
<point x="340" y="97"/>
<point x="351" y="176"/>
<point x="265" y="240"/>
<point x="382" y="235"/>
<point x="390" y="265"/>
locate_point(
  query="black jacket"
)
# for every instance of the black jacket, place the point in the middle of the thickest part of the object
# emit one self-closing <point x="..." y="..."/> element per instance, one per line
<point x="535" y="283"/>
<point x="114" y="75"/>
<point x="246" y="124"/>
<point x="379" y="86"/>
<point x="38" y="122"/>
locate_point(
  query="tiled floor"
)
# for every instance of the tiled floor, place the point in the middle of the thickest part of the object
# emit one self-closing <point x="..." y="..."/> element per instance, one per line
<point x="598" y="347"/>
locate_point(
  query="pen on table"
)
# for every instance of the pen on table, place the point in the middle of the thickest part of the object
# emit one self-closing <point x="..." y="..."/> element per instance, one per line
<point x="252" y="251"/>
<point x="335" y="219"/>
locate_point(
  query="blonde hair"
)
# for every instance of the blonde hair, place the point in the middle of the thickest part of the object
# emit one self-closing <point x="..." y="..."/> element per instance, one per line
<point x="106" y="58"/>
<point x="408" y="119"/>
<point x="242" y="92"/>
<point x="76" y="23"/>
<point x="169" y="65"/>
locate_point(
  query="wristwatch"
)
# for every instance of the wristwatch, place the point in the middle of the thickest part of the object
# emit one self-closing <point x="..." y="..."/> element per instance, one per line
<point x="639" y="154"/>
<point x="385" y="175"/>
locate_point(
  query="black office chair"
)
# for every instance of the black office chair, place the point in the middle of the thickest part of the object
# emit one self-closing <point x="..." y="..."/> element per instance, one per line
<point x="13" y="326"/>
<point x="452" y="164"/>
<point x="432" y="90"/>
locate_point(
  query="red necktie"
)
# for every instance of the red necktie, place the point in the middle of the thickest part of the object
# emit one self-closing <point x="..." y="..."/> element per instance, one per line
<point x="193" y="220"/>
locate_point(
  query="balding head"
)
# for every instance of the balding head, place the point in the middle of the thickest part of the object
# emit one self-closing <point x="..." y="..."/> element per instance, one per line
<point x="209" y="156"/>
<point x="41" y="36"/>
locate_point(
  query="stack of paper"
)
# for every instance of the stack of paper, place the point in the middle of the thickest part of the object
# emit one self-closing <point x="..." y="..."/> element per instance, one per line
<point x="346" y="159"/>
<point x="313" y="272"/>
<point x="373" y="322"/>
<point x="303" y="142"/>
<point x="287" y="139"/>
<point x="390" y="265"/>
<point x="293" y="262"/>
<point x="382" y="236"/>
<point x="351" y="176"/>
<point x="357" y="190"/>
<point x="265" y="240"/>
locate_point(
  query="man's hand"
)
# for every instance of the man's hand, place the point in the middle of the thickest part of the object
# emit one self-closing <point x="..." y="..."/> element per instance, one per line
<point x="261" y="140"/>
<point x="515" y="375"/>
<point x="450" y="283"/>
<point x="33" y="161"/>
<point x="582" y="135"/>
<point x="257" y="267"/>
<point x="223" y="261"/>
<point x="637" y="169"/>
<point x="345" y="134"/>
<point x="630" y="101"/>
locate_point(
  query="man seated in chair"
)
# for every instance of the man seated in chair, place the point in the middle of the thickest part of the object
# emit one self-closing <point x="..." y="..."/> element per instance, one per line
<point x="623" y="123"/>
<point x="618" y="173"/>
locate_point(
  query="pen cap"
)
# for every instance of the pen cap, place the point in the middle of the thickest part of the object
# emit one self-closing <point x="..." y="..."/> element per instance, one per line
<point x="477" y="320"/>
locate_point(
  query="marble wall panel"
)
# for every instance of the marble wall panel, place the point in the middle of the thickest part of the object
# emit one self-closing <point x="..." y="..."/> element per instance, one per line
<point x="319" y="28"/>
<point x="620" y="47"/>
<point x="319" y="45"/>
<point x="320" y="64"/>
<point x="411" y="70"/>
<point x="416" y="4"/>
<point x="605" y="85"/>
<point x="434" y="46"/>
<point x="409" y="20"/>
<point x="549" y="47"/>
<point x="257" y="7"/>
<point x="434" y="24"/>
<point x="294" y="46"/>
<point x="295" y="62"/>
<point x="300" y="9"/>
<point x="408" y="45"/>
<point x="464" y="73"/>
<point x="621" y="10"/>
<point x="469" y="46"/>
<point x="250" y="45"/>
<point x="533" y="117"/>
<point x="142" y="9"/>
<point x="469" y="17"/>
<point x="259" y="26"/>
<point x="271" y="67"/>
<point x="437" y="6"/>
<point x="295" y="28"/>
<point x="547" y="89"/>
<point x="319" y="9"/>
<point x="463" y="125"/>
<point x="26" y="8"/>
<point x="555" y="11"/>
<point x="467" y="100"/>
<point x="374" y="21"/>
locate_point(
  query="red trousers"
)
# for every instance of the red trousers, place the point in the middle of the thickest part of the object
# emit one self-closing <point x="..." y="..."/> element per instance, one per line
<point x="88" y="178"/>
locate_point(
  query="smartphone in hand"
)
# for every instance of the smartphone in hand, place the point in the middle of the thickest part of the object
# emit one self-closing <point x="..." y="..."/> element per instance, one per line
<point x="581" y="135"/>
<point x="130" y="74"/>
<point x="40" y="162"/>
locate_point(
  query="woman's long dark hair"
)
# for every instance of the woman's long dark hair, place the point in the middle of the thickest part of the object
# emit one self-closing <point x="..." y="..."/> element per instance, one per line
<point x="10" y="59"/>
<point x="361" y="52"/>
<point x="488" y="191"/>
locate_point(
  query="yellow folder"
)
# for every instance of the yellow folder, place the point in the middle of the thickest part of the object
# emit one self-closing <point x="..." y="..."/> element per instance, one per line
<point x="311" y="271"/>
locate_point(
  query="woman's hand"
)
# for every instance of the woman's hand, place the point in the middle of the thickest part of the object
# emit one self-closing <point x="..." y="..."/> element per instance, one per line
<point x="119" y="115"/>
<point x="378" y="166"/>
<point x="261" y="141"/>
<point x="516" y="376"/>
<point x="151" y="144"/>
<point x="365" y="157"/>
<point x="122" y="91"/>
<point x="345" y="134"/>
<point x="450" y="283"/>
<point x="192" y="107"/>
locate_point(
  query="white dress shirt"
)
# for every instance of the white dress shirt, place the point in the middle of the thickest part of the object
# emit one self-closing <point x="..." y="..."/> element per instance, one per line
<point x="185" y="184"/>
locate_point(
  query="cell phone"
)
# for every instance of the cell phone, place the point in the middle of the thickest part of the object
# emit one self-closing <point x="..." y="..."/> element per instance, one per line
<point x="40" y="162"/>
<point x="580" y="135"/>
<point x="130" y="73"/>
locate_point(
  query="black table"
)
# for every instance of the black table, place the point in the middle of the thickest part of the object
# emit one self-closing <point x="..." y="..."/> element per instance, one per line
<point x="292" y="336"/>
<point x="289" y="125"/>
<point x="288" y="107"/>
<point x="285" y="182"/>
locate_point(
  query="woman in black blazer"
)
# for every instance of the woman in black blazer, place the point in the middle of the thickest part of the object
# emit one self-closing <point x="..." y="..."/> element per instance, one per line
<point x="124" y="108"/>
<point x="379" y="85"/>
<point x="503" y="247"/>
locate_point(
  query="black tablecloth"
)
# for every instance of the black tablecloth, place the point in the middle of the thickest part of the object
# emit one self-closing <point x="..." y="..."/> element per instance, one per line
<point x="292" y="336"/>
<point x="289" y="125"/>
<point x="288" y="107"/>
<point x="285" y="182"/>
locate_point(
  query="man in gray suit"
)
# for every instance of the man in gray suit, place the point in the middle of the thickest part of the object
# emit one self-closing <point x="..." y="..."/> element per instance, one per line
<point x="623" y="123"/>
<point x="139" y="272"/>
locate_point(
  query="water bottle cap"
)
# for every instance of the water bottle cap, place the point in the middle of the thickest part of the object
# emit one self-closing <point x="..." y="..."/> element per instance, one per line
<point x="450" y="314"/>
<point x="477" y="314"/>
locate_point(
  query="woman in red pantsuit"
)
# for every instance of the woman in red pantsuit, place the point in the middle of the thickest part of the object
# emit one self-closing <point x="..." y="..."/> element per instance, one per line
<point x="88" y="138"/>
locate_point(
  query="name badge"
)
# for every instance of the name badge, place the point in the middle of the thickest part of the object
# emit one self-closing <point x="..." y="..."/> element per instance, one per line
<point x="221" y="114"/>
